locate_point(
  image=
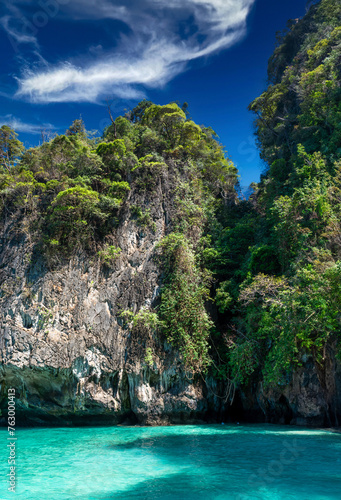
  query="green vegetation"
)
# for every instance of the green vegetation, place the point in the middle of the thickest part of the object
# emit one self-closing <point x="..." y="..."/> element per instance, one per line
<point x="144" y="218"/>
<point x="185" y="321"/>
<point x="70" y="194"/>
<point x="109" y="254"/>
<point x="10" y="147"/>
<point x="267" y="269"/>
<point x="282" y="297"/>
<point x="149" y="357"/>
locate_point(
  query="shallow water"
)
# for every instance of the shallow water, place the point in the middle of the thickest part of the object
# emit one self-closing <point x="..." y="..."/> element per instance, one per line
<point x="213" y="462"/>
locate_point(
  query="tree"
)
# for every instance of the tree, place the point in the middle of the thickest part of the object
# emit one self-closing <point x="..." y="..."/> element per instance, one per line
<point x="73" y="216"/>
<point x="137" y="113"/>
<point x="77" y="127"/>
<point x="11" y="148"/>
<point x="166" y="120"/>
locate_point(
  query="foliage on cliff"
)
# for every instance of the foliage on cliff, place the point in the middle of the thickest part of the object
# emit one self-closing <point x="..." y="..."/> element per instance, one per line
<point x="280" y="252"/>
<point x="69" y="195"/>
<point x="269" y="268"/>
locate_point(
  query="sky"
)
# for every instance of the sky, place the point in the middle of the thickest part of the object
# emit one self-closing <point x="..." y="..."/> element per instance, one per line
<point x="62" y="59"/>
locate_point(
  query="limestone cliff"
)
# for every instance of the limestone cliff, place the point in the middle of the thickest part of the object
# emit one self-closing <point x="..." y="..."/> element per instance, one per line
<point x="72" y="359"/>
<point x="311" y="398"/>
<point x="145" y="223"/>
<point x="65" y="347"/>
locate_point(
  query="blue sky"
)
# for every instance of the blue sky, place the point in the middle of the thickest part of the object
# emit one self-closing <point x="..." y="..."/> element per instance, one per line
<point x="63" y="58"/>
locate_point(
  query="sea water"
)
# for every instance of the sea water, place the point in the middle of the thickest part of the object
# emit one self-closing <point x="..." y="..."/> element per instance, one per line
<point x="213" y="462"/>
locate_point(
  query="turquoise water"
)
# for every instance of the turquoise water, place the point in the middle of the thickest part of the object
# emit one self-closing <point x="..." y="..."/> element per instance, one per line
<point x="173" y="463"/>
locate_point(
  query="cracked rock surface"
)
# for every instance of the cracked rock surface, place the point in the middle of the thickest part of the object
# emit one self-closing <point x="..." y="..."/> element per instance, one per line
<point x="64" y="346"/>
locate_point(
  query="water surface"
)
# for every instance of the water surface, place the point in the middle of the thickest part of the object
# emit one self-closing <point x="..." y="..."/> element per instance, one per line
<point x="215" y="462"/>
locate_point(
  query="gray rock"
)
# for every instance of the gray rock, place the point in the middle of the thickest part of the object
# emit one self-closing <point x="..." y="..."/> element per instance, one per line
<point x="64" y="346"/>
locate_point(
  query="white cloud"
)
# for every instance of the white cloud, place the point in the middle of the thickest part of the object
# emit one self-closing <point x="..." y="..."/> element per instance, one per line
<point x="20" y="126"/>
<point x="157" y="48"/>
<point x="15" y="34"/>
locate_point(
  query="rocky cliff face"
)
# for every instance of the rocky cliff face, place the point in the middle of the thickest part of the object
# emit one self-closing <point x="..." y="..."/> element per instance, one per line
<point x="310" y="399"/>
<point x="67" y="351"/>
<point x="65" y="347"/>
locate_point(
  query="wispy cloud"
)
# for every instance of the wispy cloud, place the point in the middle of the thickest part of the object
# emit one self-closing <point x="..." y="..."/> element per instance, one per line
<point x="20" y="126"/>
<point x="18" y="27"/>
<point x="164" y="37"/>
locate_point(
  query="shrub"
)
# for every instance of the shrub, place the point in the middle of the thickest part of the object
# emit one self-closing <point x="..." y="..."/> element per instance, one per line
<point x="109" y="254"/>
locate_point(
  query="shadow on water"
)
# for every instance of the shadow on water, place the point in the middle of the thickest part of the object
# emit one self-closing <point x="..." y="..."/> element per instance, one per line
<point x="242" y="466"/>
<point x="185" y="463"/>
<point x="172" y="487"/>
